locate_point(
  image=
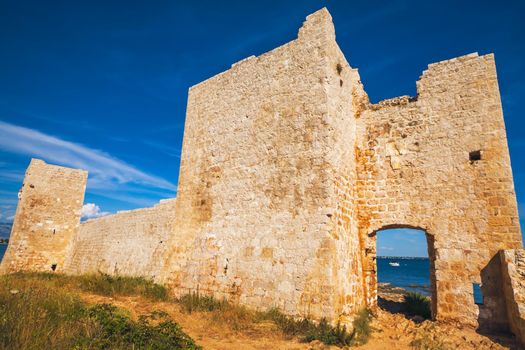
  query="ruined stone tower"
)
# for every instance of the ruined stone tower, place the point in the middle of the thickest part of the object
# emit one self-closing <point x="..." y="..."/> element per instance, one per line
<point x="46" y="219"/>
<point x="288" y="172"/>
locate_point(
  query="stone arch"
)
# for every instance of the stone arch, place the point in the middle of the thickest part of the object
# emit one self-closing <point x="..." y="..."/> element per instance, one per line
<point x="372" y="254"/>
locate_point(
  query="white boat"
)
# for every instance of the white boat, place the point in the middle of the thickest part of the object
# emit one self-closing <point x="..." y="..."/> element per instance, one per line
<point x="396" y="264"/>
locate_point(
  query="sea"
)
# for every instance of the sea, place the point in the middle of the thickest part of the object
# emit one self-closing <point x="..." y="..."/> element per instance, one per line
<point x="412" y="274"/>
<point x="3" y="247"/>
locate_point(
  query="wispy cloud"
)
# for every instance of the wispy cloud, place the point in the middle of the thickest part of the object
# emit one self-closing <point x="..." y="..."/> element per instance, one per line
<point x="105" y="171"/>
<point x="8" y="200"/>
<point x="11" y="175"/>
<point x="168" y="150"/>
<point x="7" y="212"/>
<point x="128" y="195"/>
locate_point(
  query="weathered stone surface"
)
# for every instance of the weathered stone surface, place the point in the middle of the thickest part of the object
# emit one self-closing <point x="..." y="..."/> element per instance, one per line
<point x="513" y="275"/>
<point x="268" y="167"/>
<point x="414" y="171"/>
<point x="129" y="243"/>
<point x="288" y="172"/>
<point x="46" y="219"/>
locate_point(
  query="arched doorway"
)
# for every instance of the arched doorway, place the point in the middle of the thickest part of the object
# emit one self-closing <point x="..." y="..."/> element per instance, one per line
<point x="405" y="258"/>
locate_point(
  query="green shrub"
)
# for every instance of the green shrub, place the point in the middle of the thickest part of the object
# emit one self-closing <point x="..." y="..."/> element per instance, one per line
<point x="329" y="335"/>
<point x="37" y="312"/>
<point x="115" y="330"/>
<point x="339" y="335"/>
<point x="308" y="330"/>
<point x="417" y="304"/>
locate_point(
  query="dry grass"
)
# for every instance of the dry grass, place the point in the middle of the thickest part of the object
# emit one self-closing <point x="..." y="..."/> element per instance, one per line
<point x="238" y="317"/>
<point x="42" y="311"/>
<point x="101" y="284"/>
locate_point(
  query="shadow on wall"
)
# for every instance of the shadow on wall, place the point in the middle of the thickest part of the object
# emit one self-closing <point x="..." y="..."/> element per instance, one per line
<point x="489" y="297"/>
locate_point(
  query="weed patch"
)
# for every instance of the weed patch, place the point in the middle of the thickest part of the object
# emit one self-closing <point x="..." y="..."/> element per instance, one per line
<point x="417" y="304"/>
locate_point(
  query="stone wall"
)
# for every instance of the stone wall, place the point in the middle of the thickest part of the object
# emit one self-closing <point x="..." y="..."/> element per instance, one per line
<point x="264" y="166"/>
<point x="345" y="94"/>
<point x="288" y="172"/>
<point x="131" y="243"/>
<point x="513" y="275"/>
<point x="46" y="219"/>
<point x="415" y="171"/>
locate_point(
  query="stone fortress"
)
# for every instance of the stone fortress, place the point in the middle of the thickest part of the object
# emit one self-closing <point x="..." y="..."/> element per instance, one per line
<point x="287" y="174"/>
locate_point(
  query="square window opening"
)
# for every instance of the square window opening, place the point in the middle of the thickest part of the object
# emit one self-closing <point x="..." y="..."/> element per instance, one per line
<point x="474" y="156"/>
<point x="478" y="296"/>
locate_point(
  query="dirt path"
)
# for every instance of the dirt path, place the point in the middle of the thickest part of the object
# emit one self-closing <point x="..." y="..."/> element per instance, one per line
<point x="391" y="331"/>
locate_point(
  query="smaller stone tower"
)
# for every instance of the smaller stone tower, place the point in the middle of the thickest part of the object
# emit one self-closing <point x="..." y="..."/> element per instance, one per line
<point x="47" y="218"/>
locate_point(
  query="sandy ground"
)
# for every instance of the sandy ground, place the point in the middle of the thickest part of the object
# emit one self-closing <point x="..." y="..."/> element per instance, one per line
<point x="391" y="331"/>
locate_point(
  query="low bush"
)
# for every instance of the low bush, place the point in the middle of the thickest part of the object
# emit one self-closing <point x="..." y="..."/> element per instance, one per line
<point x="117" y="331"/>
<point x="417" y="304"/>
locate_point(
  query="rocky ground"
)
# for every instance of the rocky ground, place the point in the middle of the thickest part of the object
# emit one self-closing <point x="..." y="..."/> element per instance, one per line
<point x="391" y="329"/>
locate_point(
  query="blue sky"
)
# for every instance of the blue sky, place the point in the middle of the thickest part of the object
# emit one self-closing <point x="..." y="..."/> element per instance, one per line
<point x="102" y="85"/>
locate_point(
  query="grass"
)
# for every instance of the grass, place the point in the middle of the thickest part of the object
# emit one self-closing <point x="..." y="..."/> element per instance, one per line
<point x="117" y="331"/>
<point x="107" y="285"/>
<point x="417" y="304"/>
<point x="40" y="312"/>
<point x="238" y="317"/>
<point x="101" y="284"/>
<point x="37" y="312"/>
<point x="44" y="311"/>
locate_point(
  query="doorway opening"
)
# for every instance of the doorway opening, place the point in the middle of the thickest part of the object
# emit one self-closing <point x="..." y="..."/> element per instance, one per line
<point x="405" y="270"/>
